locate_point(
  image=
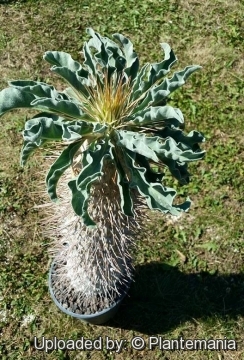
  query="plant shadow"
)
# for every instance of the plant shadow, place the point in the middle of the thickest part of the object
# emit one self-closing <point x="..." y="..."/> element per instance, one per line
<point x="162" y="297"/>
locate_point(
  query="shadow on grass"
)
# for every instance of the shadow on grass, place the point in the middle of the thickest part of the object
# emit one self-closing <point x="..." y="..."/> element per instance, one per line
<point x="162" y="297"/>
<point x="8" y="2"/>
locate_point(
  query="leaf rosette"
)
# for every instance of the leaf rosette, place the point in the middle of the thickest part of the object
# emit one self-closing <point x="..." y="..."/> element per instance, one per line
<point x="120" y="111"/>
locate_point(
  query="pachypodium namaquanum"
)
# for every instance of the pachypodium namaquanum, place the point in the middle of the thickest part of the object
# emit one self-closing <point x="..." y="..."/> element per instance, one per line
<point x="116" y="125"/>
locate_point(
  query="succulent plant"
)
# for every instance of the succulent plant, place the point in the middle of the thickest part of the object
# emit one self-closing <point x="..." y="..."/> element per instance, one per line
<point x="117" y="125"/>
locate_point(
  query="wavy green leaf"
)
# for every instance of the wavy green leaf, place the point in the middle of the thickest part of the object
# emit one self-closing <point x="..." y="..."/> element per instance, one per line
<point x="39" y="89"/>
<point x="184" y="142"/>
<point x="12" y="98"/>
<point x="159" y="115"/>
<point x="51" y="127"/>
<point x="76" y="129"/>
<point x="157" y="196"/>
<point x="92" y="164"/>
<point x="27" y="149"/>
<point x="78" y="201"/>
<point x="63" y="108"/>
<point x="150" y="73"/>
<point x="152" y="147"/>
<point x="157" y="95"/>
<point x="57" y="169"/>
<point x="132" y="61"/>
<point x="78" y="83"/>
<point x="89" y="60"/>
<point x="150" y="175"/>
<point x="42" y="128"/>
<point x="138" y="143"/>
<point x="108" y="52"/>
<point x="179" y="171"/>
<point x="62" y="59"/>
<point x="158" y="70"/>
<point x="124" y="187"/>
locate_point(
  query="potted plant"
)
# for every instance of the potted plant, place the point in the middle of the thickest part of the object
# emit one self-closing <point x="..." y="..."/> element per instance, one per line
<point x="115" y="125"/>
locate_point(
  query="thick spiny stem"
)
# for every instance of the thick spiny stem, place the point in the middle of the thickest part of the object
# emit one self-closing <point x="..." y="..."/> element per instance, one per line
<point x="93" y="262"/>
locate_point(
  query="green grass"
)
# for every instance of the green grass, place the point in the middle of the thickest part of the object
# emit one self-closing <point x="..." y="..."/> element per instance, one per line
<point x="189" y="277"/>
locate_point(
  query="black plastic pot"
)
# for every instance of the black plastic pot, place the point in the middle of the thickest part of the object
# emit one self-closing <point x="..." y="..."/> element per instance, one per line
<point x="96" y="318"/>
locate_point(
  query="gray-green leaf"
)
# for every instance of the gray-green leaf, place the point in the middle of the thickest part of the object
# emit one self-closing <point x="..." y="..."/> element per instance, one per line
<point x="57" y="169"/>
<point x="13" y="98"/>
<point x="157" y="196"/>
<point x="92" y="164"/>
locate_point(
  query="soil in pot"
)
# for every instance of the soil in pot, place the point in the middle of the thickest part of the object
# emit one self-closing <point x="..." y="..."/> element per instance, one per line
<point x="72" y="302"/>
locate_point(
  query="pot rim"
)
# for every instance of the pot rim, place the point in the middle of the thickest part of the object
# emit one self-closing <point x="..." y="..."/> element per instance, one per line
<point x="84" y="316"/>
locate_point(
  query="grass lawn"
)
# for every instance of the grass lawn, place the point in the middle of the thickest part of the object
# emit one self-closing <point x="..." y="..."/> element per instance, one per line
<point x="189" y="279"/>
